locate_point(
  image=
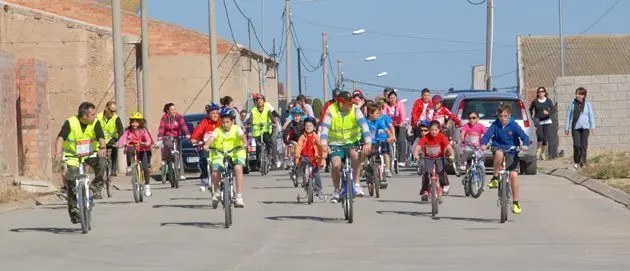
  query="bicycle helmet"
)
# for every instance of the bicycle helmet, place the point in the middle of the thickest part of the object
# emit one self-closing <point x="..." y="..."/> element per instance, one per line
<point x="437" y="99"/>
<point x="311" y="120"/>
<point x="257" y="96"/>
<point x="226" y="112"/>
<point x="344" y="97"/>
<point x="357" y="93"/>
<point x="336" y="92"/>
<point x="136" y="116"/>
<point x="297" y="111"/>
<point x="212" y="106"/>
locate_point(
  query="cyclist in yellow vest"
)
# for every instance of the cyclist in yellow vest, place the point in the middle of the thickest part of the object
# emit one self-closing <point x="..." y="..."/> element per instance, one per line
<point x="81" y="135"/>
<point x="113" y="129"/>
<point x="343" y="126"/>
<point x="262" y="114"/>
<point x="228" y="137"/>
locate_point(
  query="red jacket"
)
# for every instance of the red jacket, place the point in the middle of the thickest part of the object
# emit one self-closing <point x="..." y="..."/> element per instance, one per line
<point x="418" y="108"/>
<point x="442" y="114"/>
<point x="204" y="127"/>
<point x="325" y="109"/>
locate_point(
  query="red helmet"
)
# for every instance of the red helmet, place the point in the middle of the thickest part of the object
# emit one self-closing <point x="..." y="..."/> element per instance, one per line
<point x="257" y="96"/>
<point x="357" y="92"/>
<point x="437" y="99"/>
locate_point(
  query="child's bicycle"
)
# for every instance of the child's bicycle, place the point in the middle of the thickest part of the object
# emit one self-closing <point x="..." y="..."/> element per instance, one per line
<point x="137" y="174"/>
<point x="293" y="171"/>
<point x="505" y="191"/>
<point x="308" y="181"/>
<point x="435" y="189"/>
<point x="374" y="175"/>
<point x="474" y="177"/>
<point x="227" y="184"/>
<point x="83" y="193"/>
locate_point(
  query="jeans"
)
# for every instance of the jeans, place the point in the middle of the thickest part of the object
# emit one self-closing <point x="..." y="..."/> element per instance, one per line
<point x="203" y="164"/>
<point x="268" y="146"/>
<point x="144" y="158"/>
<point x="98" y="165"/>
<point x="401" y="143"/>
<point x="580" y="145"/>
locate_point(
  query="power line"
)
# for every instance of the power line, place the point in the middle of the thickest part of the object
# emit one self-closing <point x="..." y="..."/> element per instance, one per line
<point x="382" y="86"/>
<point x="399" y="53"/>
<point x="227" y="15"/>
<point x="252" y="25"/>
<point x="296" y="42"/>
<point x="540" y="60"/>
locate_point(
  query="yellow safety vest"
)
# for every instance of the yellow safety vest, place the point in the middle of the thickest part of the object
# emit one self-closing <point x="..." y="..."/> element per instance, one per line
<point x="227" y="140"/>
<point x="261" y="119"/>
<point x="109" y="126"/>
<point x="343" y="129"/>
<point x="79" y="142"/>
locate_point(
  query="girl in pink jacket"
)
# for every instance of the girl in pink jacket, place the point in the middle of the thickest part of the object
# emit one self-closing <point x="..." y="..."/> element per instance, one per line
<point x="137" y="140"/>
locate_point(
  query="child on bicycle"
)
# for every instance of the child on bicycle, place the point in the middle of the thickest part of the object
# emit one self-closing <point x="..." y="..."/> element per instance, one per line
<point x="471" y="134"/>
<point x="292" y="129"/>
<point x="136" y="135"/>
<point x="441" y="113"/>
<point x="434" y="145"/>
<point x="227" y="137"/>
<point x="381" y="135"/>
<point x="505" y="133"/>
<point x="309" y="148"/>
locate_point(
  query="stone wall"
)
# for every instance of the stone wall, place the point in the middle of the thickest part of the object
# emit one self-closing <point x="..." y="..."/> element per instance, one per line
<point x="8" y="111"/>
<point x="610" y="97"/>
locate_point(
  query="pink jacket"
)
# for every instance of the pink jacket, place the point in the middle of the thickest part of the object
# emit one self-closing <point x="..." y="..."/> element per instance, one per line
<point x="135" y="137"/>
<point x="397" y="113"/>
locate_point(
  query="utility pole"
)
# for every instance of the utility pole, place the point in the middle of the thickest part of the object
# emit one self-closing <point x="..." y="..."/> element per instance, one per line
<point x="299" y="53"/>
<point x="214" y="76"/>
<point x="119" y="76"/>
<point x="287" y="34"/>
<point x="339" y="74"/>
<point x="146" y="109"/>
<point x="324" y="64"/>
<point x="489" y="42"/>
<point x="561" y="19"/>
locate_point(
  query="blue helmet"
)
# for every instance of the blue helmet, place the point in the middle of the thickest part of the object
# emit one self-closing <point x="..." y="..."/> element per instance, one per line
<point x="212" y="106"/>
<point x="424" y="123"/>
<point x="226" y="112"/>
<point x="297" y="111"/>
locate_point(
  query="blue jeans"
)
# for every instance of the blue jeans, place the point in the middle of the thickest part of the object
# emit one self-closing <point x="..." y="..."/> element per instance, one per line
<point x="203" y="164"/>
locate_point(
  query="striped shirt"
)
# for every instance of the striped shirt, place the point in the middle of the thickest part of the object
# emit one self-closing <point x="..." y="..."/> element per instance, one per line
<point x="325" y="126"/>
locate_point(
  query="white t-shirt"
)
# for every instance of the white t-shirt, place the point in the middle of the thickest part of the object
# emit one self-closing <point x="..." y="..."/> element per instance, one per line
<point x="424" y="116"/>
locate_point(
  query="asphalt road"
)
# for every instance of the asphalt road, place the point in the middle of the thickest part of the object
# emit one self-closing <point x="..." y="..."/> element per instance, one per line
<point x="562" y="227"/>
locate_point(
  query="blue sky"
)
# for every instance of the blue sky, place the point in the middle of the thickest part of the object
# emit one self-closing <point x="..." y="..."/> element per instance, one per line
<point x="433" y="43"/>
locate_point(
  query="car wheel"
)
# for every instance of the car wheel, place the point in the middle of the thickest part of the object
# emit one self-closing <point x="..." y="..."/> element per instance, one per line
<point x="529" y="168"/>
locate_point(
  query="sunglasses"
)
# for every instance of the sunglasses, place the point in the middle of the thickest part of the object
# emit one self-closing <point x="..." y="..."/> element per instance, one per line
<point x="472" y="118"/>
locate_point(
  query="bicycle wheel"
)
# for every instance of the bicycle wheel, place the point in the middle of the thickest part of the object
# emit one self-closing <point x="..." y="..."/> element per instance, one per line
<point x="88" y="210"/>
<point x="477" y="181"/>
<point x="135" y="188"/>
<point x="503" y="197"/>
<point x="434" y="197"/>
<point x="227" y="204"/>
<point x="263" y="161"/>
<point x="467" y="182"/>
<point x="140" y="179"/>
<point x="175" y="173"/>
<point x="82" y="206"/>
<point x="377" y="174"/>
<point x="350" y="198"/>
<point x="294" y="177"/>
<point x="164" y="173"/>
<point x="394" y="158"/>
<point x="108" y="181"/>
<point x="310" y="185"/>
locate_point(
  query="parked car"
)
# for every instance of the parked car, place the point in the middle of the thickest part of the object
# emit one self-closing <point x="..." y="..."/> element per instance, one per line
<point x="189" y="153"/>
<point x="486" y="102"/>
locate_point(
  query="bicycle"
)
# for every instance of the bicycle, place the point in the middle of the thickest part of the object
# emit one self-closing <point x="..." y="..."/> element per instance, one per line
<point x="83" y="193"/>
<point x="504" y="191"/>
<point x="226" y="188"/>
<point x="171" y="169"/>
<point x="137" y="177"/>
<point x="474" y="177"/>
<point x="434" y="186"/>
<point x="393" y="148"/>
<point x="293" y="171"/>
<point x="107" y="174"/>
<point x="374" y="174"/>
<point x="347" y="186"/>
<point x="265" y="165"/>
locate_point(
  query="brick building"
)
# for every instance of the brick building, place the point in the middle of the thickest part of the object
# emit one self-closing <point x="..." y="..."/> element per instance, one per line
<point x="55" y="54"/>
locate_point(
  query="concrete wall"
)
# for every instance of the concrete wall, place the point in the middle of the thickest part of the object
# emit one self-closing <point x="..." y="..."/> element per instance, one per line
<point x="610" y="97"/>
<point x="8" y="111"/>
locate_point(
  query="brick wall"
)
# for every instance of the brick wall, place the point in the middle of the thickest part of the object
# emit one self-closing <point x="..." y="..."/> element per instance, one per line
<point x="610" y="97"/>
<point x="8" y="97"/>
<point x="34" y="123"/>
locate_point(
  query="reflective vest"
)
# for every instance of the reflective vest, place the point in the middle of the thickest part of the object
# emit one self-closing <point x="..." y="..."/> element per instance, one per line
<point x="261" y="119"/>
<point x="343" y="129"/>
<point x="227" y="140"/>
<point x="79" y="142"/>
<point x="109" y="126"/>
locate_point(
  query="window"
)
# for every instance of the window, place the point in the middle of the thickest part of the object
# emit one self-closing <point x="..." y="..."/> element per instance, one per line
<point x="487" y="108"/>
<point x="448" y="103"/>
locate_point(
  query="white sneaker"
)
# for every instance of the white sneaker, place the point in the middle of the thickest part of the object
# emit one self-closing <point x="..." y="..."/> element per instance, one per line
<point x="576" y="166"/>
<point x="183" y="178"/>
<point x="358" y="191"/>
<point x="147" y="190"/>
<point x="202" y="188"/>
<point x="388" y="173"/>
<point x="204" y="184"/>
<point x="401" y="164"/>
<point x="462" y="168"/>
<point x="278" y="164"/>
<point x="128" y="169"/>
<point x="335" y="197"/>
<point x="238" y="203"/>
<point x="445" y="189"/>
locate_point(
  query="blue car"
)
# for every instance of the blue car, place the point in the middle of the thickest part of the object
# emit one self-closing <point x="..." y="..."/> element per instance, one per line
<point x="190" y="155"/>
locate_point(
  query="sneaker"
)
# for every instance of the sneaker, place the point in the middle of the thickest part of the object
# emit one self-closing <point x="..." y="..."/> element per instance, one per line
<point x="358" y="191"/>
<point x="74" y="216"/>
<point x="576" y="166"/>
<point x="321" y="195"/>
<point x="278" y="164"/>
<point x="543" y="156"/>
<point x="388" y="173"/>
<point x="335" y="197"/>
<point x="113" y="174"/>
<point x="425" y="196"/>
<point x="147" y="190"/>
<point x="446" y="189"/>
<point x="238" y="203"/>
<point x="128" y="169"/>
<point x="494" y="183"/>
<point x="202" y="188"/>
<point x="462" y="168"/>
<point x="183" y="178"/>
<point x="203" y="185"/>
<point x="516" y="208"/>
<point x="216" y="196"/>
<point x="538" y="154"/>
<point x="97" y="194"/>
<point x="401" y="164"/>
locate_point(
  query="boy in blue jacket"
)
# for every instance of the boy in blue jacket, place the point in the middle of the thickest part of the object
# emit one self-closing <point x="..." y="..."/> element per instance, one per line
<point x="505" y="134"/>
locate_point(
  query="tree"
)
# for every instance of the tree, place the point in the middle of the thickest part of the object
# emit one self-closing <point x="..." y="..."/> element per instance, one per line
<point x="317" y="107"/>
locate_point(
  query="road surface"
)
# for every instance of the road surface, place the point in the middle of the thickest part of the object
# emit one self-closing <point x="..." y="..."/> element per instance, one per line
<point x="562" y="227"/>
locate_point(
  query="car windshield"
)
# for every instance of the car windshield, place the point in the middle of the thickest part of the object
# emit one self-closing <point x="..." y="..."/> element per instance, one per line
<point x="192" y="124"/>
<point x="448" y="103"/>
<point x="487" y="108"/>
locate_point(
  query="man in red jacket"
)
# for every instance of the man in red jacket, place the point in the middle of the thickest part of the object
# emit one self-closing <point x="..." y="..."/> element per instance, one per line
<point x="201" y="134"/>
<point x="422" y="111"/>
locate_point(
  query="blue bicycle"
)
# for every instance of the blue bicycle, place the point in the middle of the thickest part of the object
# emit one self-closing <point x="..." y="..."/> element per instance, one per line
<point x="505" y="191"/>
<point x="347" y="185"/>
<point x="474" y="177"/>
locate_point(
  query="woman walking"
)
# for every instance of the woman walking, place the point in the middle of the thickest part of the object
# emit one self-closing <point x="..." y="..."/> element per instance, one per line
<point x="542" y="108"/>
<point x="581" y="122"/>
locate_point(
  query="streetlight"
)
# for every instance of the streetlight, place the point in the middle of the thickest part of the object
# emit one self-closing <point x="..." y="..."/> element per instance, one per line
<point x="370" y="58"/>
<point x="381" y="74"/>
<point x="358" y="31"/>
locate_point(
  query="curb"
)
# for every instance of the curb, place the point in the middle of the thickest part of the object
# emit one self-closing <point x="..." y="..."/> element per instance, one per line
<point x="43" y="200"/>
<point x="596" y="186"/>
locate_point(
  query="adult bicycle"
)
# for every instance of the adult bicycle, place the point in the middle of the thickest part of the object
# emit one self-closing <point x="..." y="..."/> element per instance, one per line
<point x="107" y="174"/>
<point x="374" y="175"/>
<point x="505" y="191"/>
<point x="347" y="185"/>
<point x="263" y="157"/>
<point x="83" y="193"/>
<point x="172" y="167"/>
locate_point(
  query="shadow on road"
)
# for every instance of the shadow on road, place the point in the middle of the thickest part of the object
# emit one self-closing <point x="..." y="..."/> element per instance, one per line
<point x="282" y="202"/>
<point x="203" y="225"/>
<point x="402" y="201"/>
<point x="208" y="198"/>
<point x="428" y="214"/>
<point x="311" y="218"/>
<point x="186" y="206"/>
<point x="49" y="230"/>
<point x="114" y="202"/>
<point x="455" y="196"/>
<point x="273" y="187"/>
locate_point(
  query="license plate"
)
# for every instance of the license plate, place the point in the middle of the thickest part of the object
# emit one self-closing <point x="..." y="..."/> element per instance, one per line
<point x="252" y="156"/>
<point x="192" y="160"/>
